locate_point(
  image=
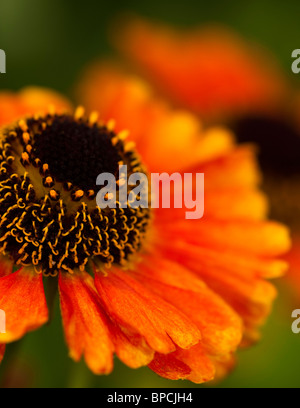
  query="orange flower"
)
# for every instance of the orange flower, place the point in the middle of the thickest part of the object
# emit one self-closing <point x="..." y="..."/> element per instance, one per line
<point x="211" y="71"/>
<point x="144" y="284"/>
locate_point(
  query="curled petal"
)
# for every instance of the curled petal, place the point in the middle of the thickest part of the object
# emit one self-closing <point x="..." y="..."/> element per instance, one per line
<point x="131" y="305"/>
<point x="193" y="364"/>
<point x="84" y="324"/>
<point x="168" y="366"/>
<point x="130" y="347"/>
<point x="266" y="239"/>
<point x="220" y="326"/>
<point x="249" y="295"/>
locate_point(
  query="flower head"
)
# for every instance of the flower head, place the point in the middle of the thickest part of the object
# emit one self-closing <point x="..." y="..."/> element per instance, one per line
<point x="176" y="295"/>
<point x="49" y="218"/>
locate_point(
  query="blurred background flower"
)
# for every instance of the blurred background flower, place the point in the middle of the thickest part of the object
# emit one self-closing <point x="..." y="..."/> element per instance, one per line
<point x="211" y="70"/>
<point x="48" y="43"/>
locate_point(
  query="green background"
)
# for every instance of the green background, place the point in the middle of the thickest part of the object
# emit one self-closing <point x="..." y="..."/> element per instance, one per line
<point x="47" y="43"/>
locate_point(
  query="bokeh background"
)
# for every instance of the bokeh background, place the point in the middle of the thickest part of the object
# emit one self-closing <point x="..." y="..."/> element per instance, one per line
<point x="48" y="43"/>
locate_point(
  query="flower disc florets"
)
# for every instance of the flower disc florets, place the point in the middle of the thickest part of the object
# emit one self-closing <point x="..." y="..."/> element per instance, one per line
<point x="49" y="216"/>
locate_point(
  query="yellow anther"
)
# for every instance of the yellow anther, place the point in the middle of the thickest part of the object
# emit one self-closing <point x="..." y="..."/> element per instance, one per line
<point x="121" y="182"/>
<point x="25" y="157"/>
<point x="111" y="124"/>
<point x="53" y="194"/>
<point x="49" y="181"/>
<point x="93" y="117"/>
<point x="129" y="146"/>
<point x="26" y="137"/>
<point x="79" y="113"/>
<point x="45" y="167"/>
<point x="123" y="135"/>
<point x="23" y="125"/>
<point x="115" y="140"/>
<point x="79" y="194"/>
<point x="109" y="196"/>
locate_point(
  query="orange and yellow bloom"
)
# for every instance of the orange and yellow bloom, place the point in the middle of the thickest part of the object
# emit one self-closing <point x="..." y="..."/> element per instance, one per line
<point x="149" y="286"/>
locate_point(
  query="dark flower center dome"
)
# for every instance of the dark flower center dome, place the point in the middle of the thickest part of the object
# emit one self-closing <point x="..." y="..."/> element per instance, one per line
<point x="76" y="151"/>
<point x="49" y="215"/>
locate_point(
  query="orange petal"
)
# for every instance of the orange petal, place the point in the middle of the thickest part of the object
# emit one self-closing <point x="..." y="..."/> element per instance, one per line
<point x="249" y="296"/>
<point x="125" y="98"/>
<point x="239" y="203"/>
<point x="237" y="169"/>
<point x="179" y="134"/>
<point x="10" y="107"/>
<point x="168" y="366"/>
<point x="23" y="300"/>
<point x="192" y="364"/>
<point x="232" y="261"/>
<point x="84" y="324"/>
<point x="223" y="365"/>
<point x="161" y="133"/>
<point x="130" y="347"/>
<point x="267" y="239"/>
<point x="133" y="306"/>
<point x="29" y="101"/>
<point x="225" y="204"/>
<point x="220" y="326"/>
<point x="39" y="100"/>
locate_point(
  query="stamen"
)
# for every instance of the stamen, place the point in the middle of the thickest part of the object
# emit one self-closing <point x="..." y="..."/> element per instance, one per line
<point x="49" y="216"/>
<point x="111" y="124"/>
<point x="79" y="113"/>
<point x="26" y="137"/>
<point x="93" y="118"/>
